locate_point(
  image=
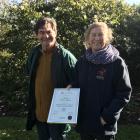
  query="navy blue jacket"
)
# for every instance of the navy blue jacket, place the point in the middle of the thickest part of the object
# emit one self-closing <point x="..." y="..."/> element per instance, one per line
<point x="105" y="90"/>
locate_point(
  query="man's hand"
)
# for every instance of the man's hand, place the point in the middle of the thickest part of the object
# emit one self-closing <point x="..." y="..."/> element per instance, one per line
<point x="68" y="86"/>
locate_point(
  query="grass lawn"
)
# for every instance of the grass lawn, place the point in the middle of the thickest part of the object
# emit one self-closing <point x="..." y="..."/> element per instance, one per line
<point x="12" y="128"/>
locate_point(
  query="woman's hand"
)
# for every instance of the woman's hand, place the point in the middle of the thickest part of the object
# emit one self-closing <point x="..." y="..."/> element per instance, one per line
<point x="103" y="122"/>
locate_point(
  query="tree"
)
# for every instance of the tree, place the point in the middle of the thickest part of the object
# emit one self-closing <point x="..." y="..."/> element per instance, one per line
<point x="72" y="17"/>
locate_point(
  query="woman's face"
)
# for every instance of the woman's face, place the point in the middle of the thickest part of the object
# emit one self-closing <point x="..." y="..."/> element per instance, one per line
<point x="97" y="38"/>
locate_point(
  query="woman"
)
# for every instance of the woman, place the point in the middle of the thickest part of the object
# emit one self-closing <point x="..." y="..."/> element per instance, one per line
<point x="103" y="79"/>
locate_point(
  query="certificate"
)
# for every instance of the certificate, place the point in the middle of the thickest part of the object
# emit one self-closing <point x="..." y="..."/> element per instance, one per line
<point x="64" y="106"/>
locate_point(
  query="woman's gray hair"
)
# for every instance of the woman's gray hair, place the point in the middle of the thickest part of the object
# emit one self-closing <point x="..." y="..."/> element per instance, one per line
<point x="98" y="24"/>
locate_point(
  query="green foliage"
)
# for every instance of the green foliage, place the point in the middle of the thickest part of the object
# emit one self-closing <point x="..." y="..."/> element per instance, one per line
<point x="73" y="17"/>
<point x="16" y="40"/>
<point x="129" y="44"/>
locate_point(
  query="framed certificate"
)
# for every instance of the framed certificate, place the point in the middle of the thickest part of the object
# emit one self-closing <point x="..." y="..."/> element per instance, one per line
<point x="64" y="106"/>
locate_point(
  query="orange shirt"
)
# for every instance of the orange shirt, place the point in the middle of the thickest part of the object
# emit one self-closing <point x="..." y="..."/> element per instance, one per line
<point x="43" y="87"/>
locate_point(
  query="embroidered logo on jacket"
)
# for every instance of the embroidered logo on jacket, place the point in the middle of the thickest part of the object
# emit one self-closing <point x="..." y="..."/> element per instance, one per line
<point x="100" y="74"/>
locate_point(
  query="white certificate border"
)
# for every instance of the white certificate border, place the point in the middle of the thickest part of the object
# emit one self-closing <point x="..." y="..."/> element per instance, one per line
<point x="74" y="120"/>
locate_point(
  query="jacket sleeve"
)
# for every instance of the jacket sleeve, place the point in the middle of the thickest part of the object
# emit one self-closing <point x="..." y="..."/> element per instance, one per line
<point x="69" y="66"/>
<point x="75" y="82"/>
<point x="29" y="62"/>
<point x="123" y="89"/>
<point x="30" y="121"/>
<point x="30" y="116"/>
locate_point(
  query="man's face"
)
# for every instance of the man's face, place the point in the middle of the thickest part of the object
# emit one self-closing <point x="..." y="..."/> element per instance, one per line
<point x="47" y="37"/>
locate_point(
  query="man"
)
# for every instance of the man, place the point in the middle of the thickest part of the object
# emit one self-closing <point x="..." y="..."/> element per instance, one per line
<point x="49" y="66"/>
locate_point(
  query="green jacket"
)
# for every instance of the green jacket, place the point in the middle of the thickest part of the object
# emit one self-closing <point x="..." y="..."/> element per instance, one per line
<point x="62" y="66"/>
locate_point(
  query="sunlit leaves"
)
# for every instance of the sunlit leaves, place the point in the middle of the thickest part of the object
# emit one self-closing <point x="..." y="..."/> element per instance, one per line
<point x="72" y="16"/>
